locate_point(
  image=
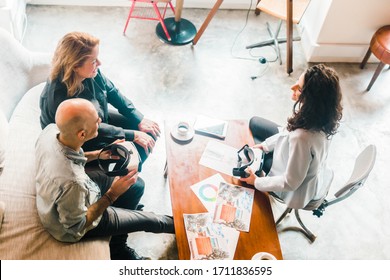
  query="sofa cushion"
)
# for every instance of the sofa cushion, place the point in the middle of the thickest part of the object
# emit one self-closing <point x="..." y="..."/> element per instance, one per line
<point x="2" y="209"/>
<point x="23" y="130"/>
<point x="3" y="137"/>
<point x="22" y="234"/>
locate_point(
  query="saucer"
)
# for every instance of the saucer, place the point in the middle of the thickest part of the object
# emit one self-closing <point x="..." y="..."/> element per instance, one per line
<point x="263" y="256"/>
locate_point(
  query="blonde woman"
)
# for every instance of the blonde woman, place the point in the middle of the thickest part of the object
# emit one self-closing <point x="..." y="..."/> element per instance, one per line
<point x="75" y="74"/>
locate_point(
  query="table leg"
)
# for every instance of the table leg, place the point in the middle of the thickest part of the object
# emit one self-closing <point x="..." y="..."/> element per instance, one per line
<point x="289" y="36"/>
<point x="166" y="169"/>
<point x="182" y="31"/>
<point x="257" y="10"/>
<point x="207" y="21"/>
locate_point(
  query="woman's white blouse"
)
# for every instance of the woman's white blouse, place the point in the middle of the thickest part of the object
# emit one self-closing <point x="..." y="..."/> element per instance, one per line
<point x="299" y="166"/>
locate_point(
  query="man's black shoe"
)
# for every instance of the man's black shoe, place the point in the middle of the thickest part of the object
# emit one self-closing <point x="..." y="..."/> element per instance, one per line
<point x="140" y="207"/>
<point x="125" y="253"/>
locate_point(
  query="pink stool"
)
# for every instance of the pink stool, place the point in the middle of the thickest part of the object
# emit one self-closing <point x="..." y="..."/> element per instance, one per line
<point x="159" y="16"/>
<point x="380" y="47"/>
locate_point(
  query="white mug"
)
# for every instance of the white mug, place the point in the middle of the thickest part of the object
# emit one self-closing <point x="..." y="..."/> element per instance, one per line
<point x="263" y="256"/>
<point x="183" y="128"/>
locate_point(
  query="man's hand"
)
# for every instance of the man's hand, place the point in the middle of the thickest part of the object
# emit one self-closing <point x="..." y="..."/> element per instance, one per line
<point x="107" y="153"/>
<point x="144" y="140"/>
<point x="151" y="127"/>
<point x="122" y="184"/>
<point x="92" y="155"/>
<point x="118" y="187"/>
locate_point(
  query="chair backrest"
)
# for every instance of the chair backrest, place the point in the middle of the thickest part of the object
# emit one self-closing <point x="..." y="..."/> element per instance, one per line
<point x="319" y="199"/>
<point x="363" y="166"/>
<point x="278" y="8"/>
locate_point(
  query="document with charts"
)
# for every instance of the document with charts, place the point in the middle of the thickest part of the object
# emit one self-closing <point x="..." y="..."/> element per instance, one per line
<point x="206" y="191"/>
<point x="220" y="157"/>
<point x="234" y="206"/>
<point x="208" y="240"/>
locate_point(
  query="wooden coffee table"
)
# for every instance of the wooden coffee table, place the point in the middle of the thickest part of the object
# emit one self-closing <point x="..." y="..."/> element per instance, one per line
<point x="184" y="170"/>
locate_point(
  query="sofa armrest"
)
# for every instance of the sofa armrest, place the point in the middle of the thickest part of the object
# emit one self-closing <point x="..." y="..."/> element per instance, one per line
<point x="40" y="68"/>
<point x="20" y="70"/>
<point x="3" y="139"/>
<point x="2" y="209"/>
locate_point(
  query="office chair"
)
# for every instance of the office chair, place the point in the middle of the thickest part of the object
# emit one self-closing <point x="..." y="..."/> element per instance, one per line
<point x="363" y="166"/>
<point x="278" y="8"/>
<point x="159" y="16"/>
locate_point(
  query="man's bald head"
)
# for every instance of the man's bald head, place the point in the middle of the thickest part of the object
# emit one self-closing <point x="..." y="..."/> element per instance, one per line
<point x="75" y="115"/>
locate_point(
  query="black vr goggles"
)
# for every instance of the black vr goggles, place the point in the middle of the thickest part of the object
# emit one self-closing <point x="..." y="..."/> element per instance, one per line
<point x="128" y="159"/>
<point x="248" y="157"/>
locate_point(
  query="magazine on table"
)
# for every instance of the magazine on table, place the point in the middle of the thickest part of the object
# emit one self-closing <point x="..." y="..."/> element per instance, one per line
<point x="214" y="235"/>
<point x="234" y="206"/>
<point x="208" y="240"/>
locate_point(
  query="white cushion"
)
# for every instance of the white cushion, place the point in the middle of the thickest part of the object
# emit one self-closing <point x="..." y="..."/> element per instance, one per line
<point x="24" y="128"/>
<point x="2" y="208"/>
<point x="3" y="138"/>
<point x="20" y="69"/>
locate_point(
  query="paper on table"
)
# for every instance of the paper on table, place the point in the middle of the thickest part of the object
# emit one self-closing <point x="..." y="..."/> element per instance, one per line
<point x="207" y="190"/>
<point x="220" y="157"/>
<point x="208" y="240"/>
<point x="234" y="206"/>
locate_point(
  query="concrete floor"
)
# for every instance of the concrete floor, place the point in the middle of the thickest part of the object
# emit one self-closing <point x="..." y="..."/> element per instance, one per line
<point x="214" y="78"/>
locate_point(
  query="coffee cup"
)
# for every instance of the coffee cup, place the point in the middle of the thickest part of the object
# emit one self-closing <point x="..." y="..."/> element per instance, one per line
<point x="263" y="256"/>
<point x="183" y="128"/>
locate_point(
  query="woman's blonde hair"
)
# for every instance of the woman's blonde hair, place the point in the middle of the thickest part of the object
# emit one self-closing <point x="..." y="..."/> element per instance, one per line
<point x="72" y="51"/>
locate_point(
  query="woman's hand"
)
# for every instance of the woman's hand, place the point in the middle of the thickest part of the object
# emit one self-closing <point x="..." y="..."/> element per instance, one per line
<point x="258" y="146"/>
<point x="251" y="178"/>
<point x="144" y="140"/>
<point x="151" y="127"/>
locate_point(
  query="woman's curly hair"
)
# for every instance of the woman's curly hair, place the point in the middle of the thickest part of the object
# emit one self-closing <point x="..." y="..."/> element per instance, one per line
<point x="318" y="107"/>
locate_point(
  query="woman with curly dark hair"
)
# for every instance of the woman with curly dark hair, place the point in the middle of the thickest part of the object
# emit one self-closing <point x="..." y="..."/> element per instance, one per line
<point x="295" y="160"/>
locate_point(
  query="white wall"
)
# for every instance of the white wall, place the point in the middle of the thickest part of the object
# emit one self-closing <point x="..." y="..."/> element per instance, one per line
<point x="227" y="4"/>
<point x="331" y="30"/>
<point x="341" y="30"/>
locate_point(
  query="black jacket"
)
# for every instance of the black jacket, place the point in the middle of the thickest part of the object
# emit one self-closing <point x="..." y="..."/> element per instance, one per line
<point x="100" y="91"/>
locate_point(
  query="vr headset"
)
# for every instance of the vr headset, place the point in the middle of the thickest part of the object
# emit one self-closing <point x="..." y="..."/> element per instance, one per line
<point x="248" y="157"/>
<point x="129" y="159"/>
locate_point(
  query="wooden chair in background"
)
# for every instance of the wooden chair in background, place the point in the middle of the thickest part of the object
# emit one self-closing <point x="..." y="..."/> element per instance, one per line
<point x="380" y="47"/>
<point x="278" y="9"/>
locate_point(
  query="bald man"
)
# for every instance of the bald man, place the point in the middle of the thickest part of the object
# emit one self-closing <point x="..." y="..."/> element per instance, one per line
<point x="73" y="204"/>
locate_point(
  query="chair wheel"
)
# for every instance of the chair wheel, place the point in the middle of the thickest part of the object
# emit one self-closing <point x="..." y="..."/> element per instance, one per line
<point x="318" y="212"/>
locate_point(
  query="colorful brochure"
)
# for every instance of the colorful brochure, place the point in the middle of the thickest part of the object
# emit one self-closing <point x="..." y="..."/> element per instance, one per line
<point x="208" y="240"/>
<point x="234" y="206"/>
